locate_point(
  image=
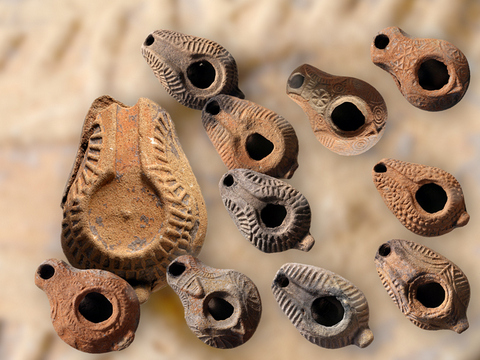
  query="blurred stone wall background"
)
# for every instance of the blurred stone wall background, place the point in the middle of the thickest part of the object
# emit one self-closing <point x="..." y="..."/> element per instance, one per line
<point x="57" y="56"/>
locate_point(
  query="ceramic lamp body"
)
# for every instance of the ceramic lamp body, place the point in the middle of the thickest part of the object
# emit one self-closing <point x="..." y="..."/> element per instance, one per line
<point x="132" y="203"/>
<point x="268" y="212"/>
<point x="249" y="136"/>
<point x="431" y="74"/>
<point x="430" y="290"/>
<point x="426" y="200"/>
<point x="191" y="69"/>
<point x="93" y="311"/>
<point x="347" y="115"/>
<point x="326" y="309"/>
<point x="222" y="307"/>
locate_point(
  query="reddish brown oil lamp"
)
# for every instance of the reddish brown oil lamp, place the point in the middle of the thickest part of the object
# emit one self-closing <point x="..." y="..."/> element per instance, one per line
<point x="92" y="310"/>
<point x="431" y="74"/>
<point x="132" y="203"/>
<point x="249" y="136"/>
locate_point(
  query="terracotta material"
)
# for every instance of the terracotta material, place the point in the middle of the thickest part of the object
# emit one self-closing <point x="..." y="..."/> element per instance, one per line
<point x="268" y="212"/>
<point x="249" y="136"/>
<point x="426" y="200"/>
<point x="430" y="290"/>
<point x="326" y="309"/>
<point x="190" y="68"/>
<point x="222" y="307"/>
<point x="346" y="114"/>
<point x="92" y="310"/>
<point x="132" y="203"/>
<point x="431" y="74"/>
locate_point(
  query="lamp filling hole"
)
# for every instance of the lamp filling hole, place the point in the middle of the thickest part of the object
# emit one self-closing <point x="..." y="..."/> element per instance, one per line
<point x="219" y="308"/>
<point x="431" y="295"/>
<point x="95" y="307"/>
<point x="327" y="311"/>
<point x="431" y="197"/>
<point x="347" y="117"/>
<point x="433" y="75"/>
<point x="258" y="147"/>
<point x="201" y="74"/>
<point x="273" y="215"/>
